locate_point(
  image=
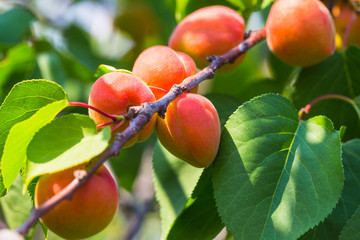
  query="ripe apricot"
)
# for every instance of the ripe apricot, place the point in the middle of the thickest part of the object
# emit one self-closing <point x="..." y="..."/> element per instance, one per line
<point x="191" y="129"/>
<point x="90" y="209"/>
<point x="114" y="93"/>
<point x="345" y="17"/>
<point x="162" y="67"/>
<point x="209" y="31"/>
<point x="300" y="32"/>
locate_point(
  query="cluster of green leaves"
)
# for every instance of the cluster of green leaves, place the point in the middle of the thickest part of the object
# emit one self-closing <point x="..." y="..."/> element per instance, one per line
<point x="275" y="176"/>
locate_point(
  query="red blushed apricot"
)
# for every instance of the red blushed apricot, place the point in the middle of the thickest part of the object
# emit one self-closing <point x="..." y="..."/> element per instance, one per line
<point x="300" y="32"/>
<point x="191" y="129"/>
<point x="90" y="209"/>
<point x="162" y="67"/>
<point x="114" y="93"/>
<point x="209" y="31"/>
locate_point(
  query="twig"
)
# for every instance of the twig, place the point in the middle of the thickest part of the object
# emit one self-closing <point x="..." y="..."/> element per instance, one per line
<point x="142" y="114"/>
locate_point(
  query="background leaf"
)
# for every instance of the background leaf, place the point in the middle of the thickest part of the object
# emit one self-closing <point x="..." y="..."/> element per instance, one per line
<point x="20" y="135"/>
<point x="174" y="181"/>
<point x="275" y="177"/>
<point x="199" y="219"/>
<point x="14" y="25"/>
<point x="351" y="229"/>
<point x="17" y="65"/>
<point x="16" y="207"/>
<point x="65" y="142"/>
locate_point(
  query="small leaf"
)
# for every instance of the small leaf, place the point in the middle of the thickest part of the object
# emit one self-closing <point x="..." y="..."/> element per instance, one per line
<point x="20" y="135"/>
<point x="356" y="105"/>
<point x="246" y="7"/>
<point x="103" y="69"/>
<point x="351" y="229"/>
<point x="275" y="177"/>
<point x="65" y="142"/>
<point x="174" y="181"/>
<point x="199" y="219"/>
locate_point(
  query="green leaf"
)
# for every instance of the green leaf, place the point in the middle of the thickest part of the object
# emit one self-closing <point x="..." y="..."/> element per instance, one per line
<point x="275" y="177"/>
<point x="350" y="197"/>
<point x="351" y="229"/>
<point x="14" y="25"/>
<point x="180" y="9"/>
<point x="174" y="181"/>
<point x="246" y="7"/>
<point x="20" y="135"/>
<point x="16" y="206"/>
<point x="23" y="101"/>
<point x="103" y="69"/>
<point x="199" y="219"/>
<point x="65" y="142"/>
<point x="17" y="65"/>
<point x="338" y="74"/>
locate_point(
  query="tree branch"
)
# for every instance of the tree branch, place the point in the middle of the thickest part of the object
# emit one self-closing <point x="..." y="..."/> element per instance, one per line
<point x="139" y="116"/>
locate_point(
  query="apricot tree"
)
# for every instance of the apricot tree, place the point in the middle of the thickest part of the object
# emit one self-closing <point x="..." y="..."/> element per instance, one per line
<point x="262" y="146"/>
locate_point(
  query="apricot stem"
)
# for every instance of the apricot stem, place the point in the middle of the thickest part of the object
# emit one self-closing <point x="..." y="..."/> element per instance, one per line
<point x="143" y="116"/>
<point x="81" y="104"/>
<point x="305" y="110"/>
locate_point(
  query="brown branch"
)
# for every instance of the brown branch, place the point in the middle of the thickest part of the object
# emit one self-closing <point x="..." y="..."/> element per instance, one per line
<point x="139" y="116"/>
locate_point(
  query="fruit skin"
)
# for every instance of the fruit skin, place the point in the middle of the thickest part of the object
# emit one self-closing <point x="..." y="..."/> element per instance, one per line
<point x="209" y="31"/>
<point x="191" y="129"/>
<point x="162" y="67"/>
<point x="300" y="32"/>
<point x="343" y="14"/>
<point x="91" y="208"/>
<point x="114" y="93"/>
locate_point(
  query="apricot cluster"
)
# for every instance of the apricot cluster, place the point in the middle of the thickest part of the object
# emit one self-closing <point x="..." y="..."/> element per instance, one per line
<point x="300" y="32"/>
<point x="190" y="129"/>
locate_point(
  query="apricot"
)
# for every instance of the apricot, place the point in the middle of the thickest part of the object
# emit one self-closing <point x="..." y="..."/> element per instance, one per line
<point x="300" y="32"/>
<point x="190" y="130"/>
<point x="114" y="93"/>
<point x="90" y="209"/>
<point x="344" y="17"/>
<point x="160" y="67"/>
<point x="209" y="31"/>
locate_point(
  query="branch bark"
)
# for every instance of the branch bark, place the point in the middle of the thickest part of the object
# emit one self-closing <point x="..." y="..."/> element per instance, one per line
<point x="139" y="116"/>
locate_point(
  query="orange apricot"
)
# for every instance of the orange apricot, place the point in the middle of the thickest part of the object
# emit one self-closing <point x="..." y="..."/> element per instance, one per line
<point x="160" y="67"/>
<point x="114" y="93"/>
<point x="209" y="31"/>
<point x="90" y="209"/>
<point x="191" y="129"/>
<point x="300" y="32"/>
